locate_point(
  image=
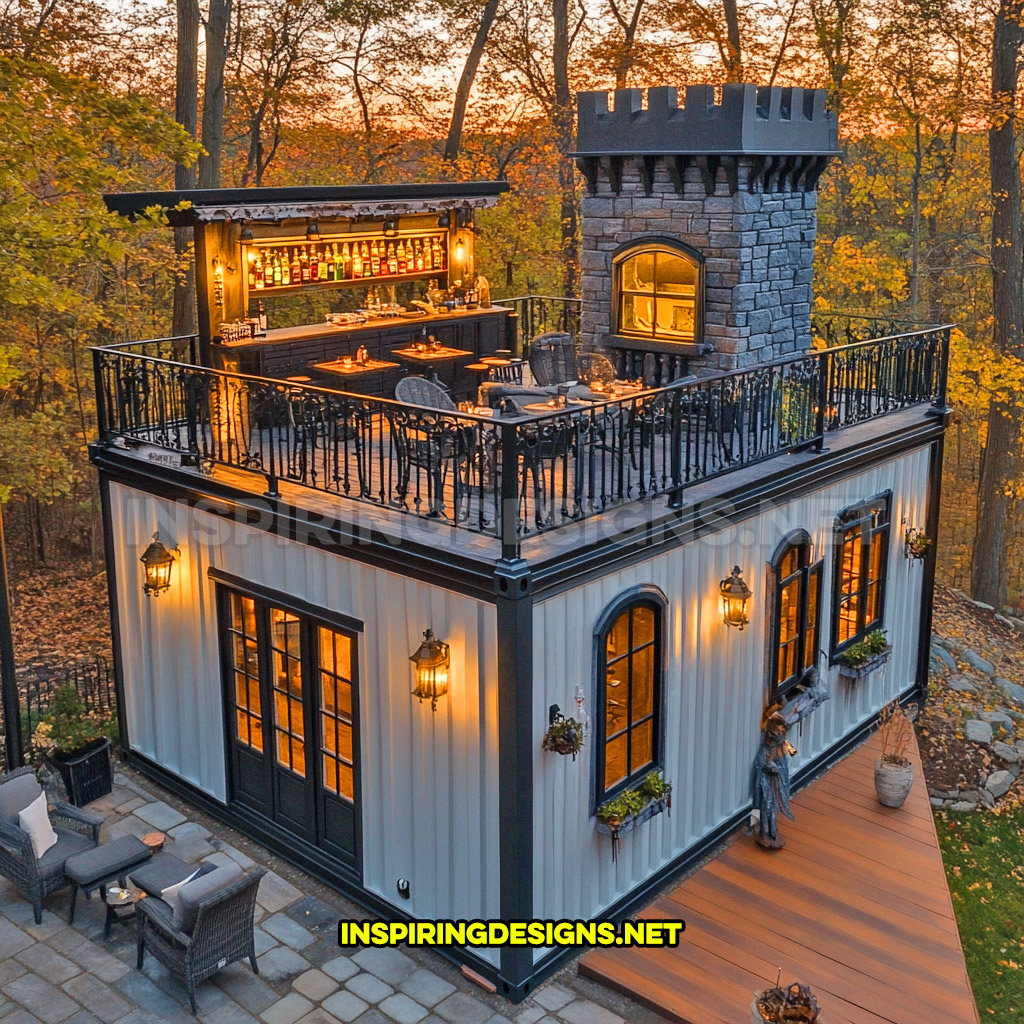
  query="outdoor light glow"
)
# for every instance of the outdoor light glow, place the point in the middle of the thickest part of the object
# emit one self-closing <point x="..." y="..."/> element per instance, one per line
<point x="157" y="561"/>
<point x="735" y="595"/>
<point x="431" y="662"/>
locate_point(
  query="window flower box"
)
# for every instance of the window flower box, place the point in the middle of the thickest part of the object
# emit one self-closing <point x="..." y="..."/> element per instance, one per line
<point x="855" y="673"/>
<point x="627" y="825"/>
<point x="620" y="815"/>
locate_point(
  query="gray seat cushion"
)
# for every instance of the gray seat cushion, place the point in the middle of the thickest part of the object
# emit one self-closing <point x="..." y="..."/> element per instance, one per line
<point x="165" y="870"/>
<point x="192" y="894"/>
<point x="16" y="795"/>
<point x="69" y="844"/>
<point x="108" y="860"/>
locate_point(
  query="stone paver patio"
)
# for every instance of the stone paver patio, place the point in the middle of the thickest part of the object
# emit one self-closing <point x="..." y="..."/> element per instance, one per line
<point x="56" y="974"/>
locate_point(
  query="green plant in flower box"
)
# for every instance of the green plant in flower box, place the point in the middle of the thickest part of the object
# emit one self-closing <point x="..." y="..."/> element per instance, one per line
<point x="654" y="786"/>
<point x="864" y="650"/>
<point x="621" y="807"/>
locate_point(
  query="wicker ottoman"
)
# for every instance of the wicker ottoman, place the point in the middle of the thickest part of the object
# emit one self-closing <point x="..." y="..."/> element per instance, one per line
<point x="105" y="863"/>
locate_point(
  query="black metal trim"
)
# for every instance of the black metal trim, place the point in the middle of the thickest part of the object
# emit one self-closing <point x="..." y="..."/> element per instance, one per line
<point x="805" y="570"/>
<point x="109" y="557"/>
<point x="928" y="582"/>
<point x="448" y="570"/>
<point x="131" y="204"/>
<point x="514" y="616"/>
<point x="325" y="616"/>
<point x="667" y="529"/>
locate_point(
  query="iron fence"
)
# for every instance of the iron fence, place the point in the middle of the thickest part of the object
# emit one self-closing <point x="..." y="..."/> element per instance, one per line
<point x="93" y="680"/>
<point x="538" y="314"/>
<point x="509" y="477"/>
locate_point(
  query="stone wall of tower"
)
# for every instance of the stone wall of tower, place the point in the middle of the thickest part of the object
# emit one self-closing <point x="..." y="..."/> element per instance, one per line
<point x="758" y="248"/>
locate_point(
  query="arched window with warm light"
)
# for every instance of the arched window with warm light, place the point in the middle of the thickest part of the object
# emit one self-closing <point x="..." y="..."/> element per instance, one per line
<point x="659" y="290"/>
<point x="629" y="656"/>
<point x="795" y="603"/>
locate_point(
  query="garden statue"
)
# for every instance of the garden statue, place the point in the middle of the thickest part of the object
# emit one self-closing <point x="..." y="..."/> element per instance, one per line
<point x="771" y="778"/>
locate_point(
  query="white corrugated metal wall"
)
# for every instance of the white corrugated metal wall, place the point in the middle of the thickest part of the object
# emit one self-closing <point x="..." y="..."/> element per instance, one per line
<point x="429" y="781"/>
<point x="715" y="687"/>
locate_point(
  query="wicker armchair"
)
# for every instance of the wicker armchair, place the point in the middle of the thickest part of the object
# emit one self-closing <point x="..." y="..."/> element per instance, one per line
<point x="36" y="879"/>
<point x="553" y="358"/>
<point x="223" y="933"/>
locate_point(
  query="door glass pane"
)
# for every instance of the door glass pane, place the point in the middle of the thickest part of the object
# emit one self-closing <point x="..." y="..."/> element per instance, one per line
<point x="287" y="684"/>
<point x="336" y="744"/>
<point x="245" y="663"/>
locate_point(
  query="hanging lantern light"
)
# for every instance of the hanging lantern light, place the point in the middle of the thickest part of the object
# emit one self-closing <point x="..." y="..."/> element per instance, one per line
<point x="157" y="561"/>
<point x="431" y="662"/>
<point x="735" y="595"/>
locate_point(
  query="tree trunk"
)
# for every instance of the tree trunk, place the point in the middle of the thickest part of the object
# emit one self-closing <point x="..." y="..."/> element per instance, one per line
<point x="186" y="113"/>
<point x="734" y="58"/>
<point x="1000" y="458"/>
<point x="624" y="64"/>
<point x="451" y="147"/>
<point x="216" y="36"/>
<point x="563" y="121"/>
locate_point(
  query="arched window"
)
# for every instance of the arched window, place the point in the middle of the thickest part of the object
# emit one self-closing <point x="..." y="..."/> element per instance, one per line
<point x="795" y="614"/>
<point x="659" y="291"/>
<point x="630" y="652"/>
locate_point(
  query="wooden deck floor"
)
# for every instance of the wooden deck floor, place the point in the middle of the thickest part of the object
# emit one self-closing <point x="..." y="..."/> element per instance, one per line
<point x="856" y="906"/>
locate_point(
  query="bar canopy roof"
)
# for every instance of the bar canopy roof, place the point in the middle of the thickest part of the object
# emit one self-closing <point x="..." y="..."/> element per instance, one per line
<point x="205" y="206"/>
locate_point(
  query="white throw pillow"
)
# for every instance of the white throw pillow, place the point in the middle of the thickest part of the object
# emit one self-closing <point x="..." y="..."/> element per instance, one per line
<point x="170" y="894"/>
<point x="36" y="822"/>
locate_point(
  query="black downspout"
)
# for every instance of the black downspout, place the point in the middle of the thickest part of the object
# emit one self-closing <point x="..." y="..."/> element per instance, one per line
<point x="928" y="582"/>
<point x="514" y="608"/>
<point x="8" y="681"/>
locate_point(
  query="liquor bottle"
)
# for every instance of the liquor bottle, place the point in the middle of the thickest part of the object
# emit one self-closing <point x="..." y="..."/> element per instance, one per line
<point x="277" y="270"/>
<point x="252" y="269"/>
<point x="304" y="261"/>
<point x="357" y="261"/>
<point x="286" y="269"/>
<point x="364" y="251"/>
<point x="259" y="272"/>
<point x="339" y="266"/>
<point x="442" y="256"/>
<point x="262" y="314"/>
<point x="418" y="257"/>
<point x="374" y="258"/>
<point x="296" y="267"/>
<point x="403" y="264"/>
<point x="314" y="264"/>
<point x="394" y="266"/>
<point x="346" y="256"/>
<point x="323" y="264"/>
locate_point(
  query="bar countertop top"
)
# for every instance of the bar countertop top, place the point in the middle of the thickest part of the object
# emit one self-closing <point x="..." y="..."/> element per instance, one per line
<point x="303" y="332"/>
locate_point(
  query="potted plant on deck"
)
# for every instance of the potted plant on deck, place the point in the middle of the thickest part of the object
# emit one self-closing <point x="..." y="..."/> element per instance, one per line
<point x="863" y="657"/>
<point x="73" y="740"/>
<point x="795" y="1003"/>
<point x="894" y="773"/>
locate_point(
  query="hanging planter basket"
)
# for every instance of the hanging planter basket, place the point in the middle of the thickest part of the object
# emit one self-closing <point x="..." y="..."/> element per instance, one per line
<point x="564" y="736"/>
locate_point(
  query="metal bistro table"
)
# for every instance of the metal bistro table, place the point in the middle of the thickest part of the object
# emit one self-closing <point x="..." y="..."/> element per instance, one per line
<point x="346" y="368"/>
<point x="432" y="358"/>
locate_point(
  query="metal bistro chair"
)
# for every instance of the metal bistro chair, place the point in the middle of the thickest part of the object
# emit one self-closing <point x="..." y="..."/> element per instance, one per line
<point x="553" y="358"/>
<point x="76" y="833"/>
<point x="431" y="442"/>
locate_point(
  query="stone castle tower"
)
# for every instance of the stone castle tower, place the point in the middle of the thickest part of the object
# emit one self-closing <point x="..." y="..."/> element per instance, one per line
<point x="729" y="177"/>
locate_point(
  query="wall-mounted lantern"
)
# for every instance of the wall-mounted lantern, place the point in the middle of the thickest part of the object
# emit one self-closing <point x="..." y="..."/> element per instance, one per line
<point x="460" y="251"/>
<point x="247" y="235"/>
<point x="431" y="661"/>
<point x="735" y="595"/>
<point x="444" y="220"/>
<point x="157" y="562"/>
<point x="218" y="282"/>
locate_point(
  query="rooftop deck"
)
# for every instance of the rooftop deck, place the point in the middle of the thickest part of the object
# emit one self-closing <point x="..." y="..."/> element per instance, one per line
<point x="501" y="480"/>
<point x="856" y="906"/>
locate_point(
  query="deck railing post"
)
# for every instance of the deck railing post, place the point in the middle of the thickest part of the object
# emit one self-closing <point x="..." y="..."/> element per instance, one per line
<point x="102" y="426"/>
<point x="821" y="410"/>
<point x="675" y="494"/>
<point x="508" y="511"/>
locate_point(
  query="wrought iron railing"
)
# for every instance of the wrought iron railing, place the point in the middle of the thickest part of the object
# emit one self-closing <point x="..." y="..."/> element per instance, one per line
<point x="92" y="679"/>
<point x="538" y="314"/>
<point x="508" y="477"/>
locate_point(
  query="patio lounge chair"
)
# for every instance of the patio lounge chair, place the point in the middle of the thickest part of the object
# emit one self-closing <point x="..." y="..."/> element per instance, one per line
<point x="221" y="935"/>
<point x="76" y="832"/>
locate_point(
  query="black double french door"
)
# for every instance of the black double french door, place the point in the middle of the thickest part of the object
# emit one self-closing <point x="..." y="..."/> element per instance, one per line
<point x="290" y="696"/>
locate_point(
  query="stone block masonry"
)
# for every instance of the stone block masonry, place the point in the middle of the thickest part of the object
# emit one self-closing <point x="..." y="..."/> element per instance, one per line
<point x="734" y="180"/>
